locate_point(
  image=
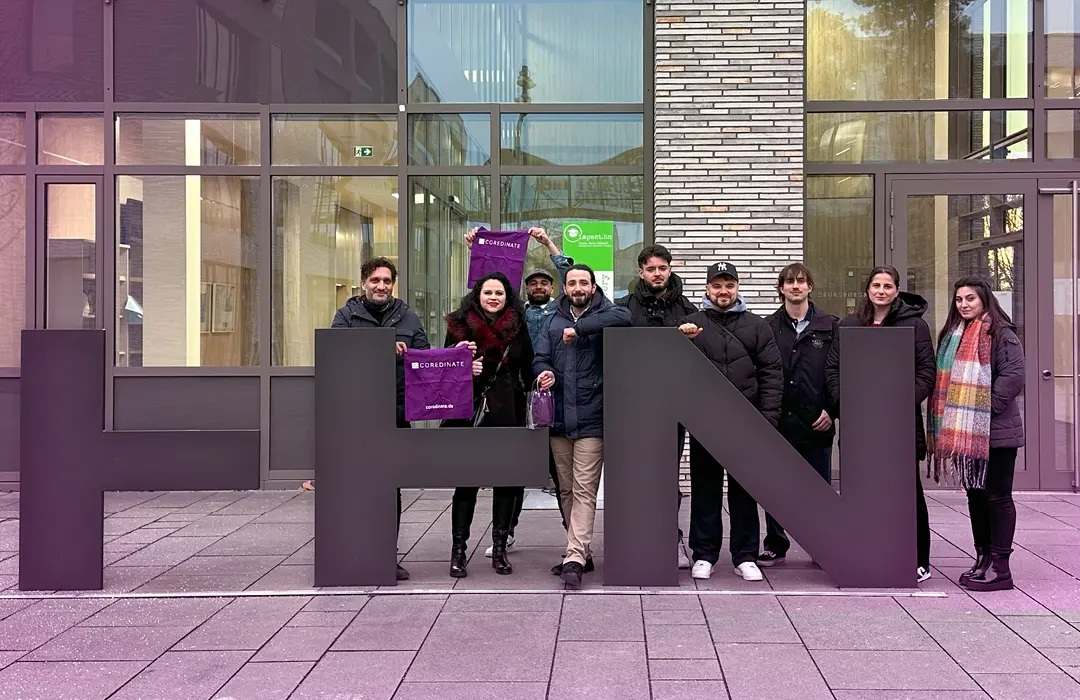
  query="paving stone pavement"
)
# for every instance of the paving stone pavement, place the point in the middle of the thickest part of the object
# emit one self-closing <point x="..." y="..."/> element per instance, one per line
<point x="489" y="637"/>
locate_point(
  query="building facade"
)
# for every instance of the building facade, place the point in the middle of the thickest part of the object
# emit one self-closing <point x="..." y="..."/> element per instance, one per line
<point x="202" y="179"/>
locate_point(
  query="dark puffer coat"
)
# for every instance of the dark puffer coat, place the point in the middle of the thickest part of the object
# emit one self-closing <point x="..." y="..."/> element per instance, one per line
<point x="664" y="311"/>
<point x="805" y="393"/>
<point x="907" y="310"/>
<point x="1007" y="368"/>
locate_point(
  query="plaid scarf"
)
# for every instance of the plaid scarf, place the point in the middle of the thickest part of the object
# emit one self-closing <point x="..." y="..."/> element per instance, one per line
<point x="959" y="435"/>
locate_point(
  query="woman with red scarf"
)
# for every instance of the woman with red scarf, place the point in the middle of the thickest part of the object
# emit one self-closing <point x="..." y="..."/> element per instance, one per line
<point x="492" y="321"/>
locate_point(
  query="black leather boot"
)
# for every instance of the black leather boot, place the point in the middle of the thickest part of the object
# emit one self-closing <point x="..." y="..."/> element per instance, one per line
<point x="996" y="578"/>
<point x="982" y="563"/>
<point x="461" y="515"/>
<point x="502" y="516"/>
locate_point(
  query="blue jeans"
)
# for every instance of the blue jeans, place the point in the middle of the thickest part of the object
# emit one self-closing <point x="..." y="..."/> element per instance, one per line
<point x="820" y="458"/>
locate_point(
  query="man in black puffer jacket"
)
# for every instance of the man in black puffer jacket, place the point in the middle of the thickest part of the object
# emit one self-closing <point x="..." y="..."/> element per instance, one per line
<point x="740" y="344"/>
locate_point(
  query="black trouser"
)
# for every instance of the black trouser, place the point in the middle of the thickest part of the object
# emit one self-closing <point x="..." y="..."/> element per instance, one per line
<point x="505" y="499"/>
<point x="922" y="523"/>
<point x="706" y="505"/>
<point x="521" y="501"/>
<point x="682" y="445"/>
<point x="820" y="458"/>
<point x="993" y="513"/>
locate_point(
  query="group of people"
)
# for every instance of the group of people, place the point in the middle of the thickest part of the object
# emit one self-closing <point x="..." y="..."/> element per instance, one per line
<point x="785" y="364"/>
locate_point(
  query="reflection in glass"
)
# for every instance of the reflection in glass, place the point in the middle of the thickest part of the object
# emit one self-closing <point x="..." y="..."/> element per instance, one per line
<point x="324" y="229"/>
<point x="71" y="139"/>
<point x="166" y="139"/>
<point x="300" y="139"/>
<point x="1063" y="134"/>
<point x="917" y="137"/>
<point x="1062" y="48"/>
<point x="449" y="139"/>
<point x="526" y="51"/>
<point x="51" y="51"/>
<point x="549" y="200"/>
<point x="71" y="267"/>
<point x="839" y="239"/>
<point x="918" y="49"/>
<point x="1065" y="332"/>
<point x="187" y="292"/>
<point x="441" y="211"/>
<point x="12" y="267"/>
<point x="12" y="139"/>
<point x="571" y="139"/>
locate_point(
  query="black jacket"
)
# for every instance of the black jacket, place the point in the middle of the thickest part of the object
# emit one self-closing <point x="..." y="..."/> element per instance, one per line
<point x="750" y="360"/>
<point x="665" y="310"/>
<point x="806" y="394"/>
<point x="506" y="397"/>
<point x="907" y="310"/>
<point x="578" y="365"/>
<point x="407" y="329"/>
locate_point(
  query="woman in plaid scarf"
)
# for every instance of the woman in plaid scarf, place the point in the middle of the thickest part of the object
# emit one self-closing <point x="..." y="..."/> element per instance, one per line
<point x="974" y="423"/>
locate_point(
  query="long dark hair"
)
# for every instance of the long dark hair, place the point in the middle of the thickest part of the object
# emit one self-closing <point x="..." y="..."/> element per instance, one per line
<point x="471" y="301"/>
<point x="998" y="317"/>
<point x="865" y="312"/>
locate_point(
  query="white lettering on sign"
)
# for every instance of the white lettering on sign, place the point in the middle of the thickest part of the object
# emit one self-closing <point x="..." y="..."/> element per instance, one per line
<point x="498" y="244"/>
<point x="437" y="365"/>
<point x="438" y="406"/>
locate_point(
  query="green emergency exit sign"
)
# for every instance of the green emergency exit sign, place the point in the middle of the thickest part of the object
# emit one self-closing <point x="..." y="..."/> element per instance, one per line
<point x="363" y="151"/>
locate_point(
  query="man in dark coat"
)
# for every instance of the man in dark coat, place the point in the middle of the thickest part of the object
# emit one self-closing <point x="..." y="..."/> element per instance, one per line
<point x="804" y="334"/>
<point x="741" y="345"/>
<point x="657" y="301"/>
<point x="570" y="360"/>
<point x="378" y="308"/>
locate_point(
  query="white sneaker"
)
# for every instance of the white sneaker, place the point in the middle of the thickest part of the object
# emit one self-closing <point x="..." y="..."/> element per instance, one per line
<point x="684" y="561"/>
<point x="749" y="571"/>
<point x="509" y="547"/>
<point x="923" y="574"/>
<point x="702" y="569"/>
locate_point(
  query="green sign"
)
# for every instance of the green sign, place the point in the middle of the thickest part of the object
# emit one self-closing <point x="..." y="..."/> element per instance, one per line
<point x="593" y="243"/>
<point x="363" y="151"/>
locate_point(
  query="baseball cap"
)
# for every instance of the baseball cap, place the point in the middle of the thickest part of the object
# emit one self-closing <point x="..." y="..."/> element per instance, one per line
<point x="722" y="269"/>
<point x="538" y="271"/>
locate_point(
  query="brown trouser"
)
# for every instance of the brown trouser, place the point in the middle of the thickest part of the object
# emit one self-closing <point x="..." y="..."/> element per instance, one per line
<point x="579" y="463"/>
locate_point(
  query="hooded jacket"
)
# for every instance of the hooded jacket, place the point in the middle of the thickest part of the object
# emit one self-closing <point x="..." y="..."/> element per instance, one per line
<point x="741" y="345"/>
<point x="578" y="366"/>
<point x="536" y="315"/>
<point x="907" y="310"/>
<point x="407" y="329"/>
<point x="649" y="310"/>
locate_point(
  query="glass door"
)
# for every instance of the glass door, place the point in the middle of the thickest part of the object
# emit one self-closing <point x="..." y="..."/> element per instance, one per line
<point x="69" y="222"/>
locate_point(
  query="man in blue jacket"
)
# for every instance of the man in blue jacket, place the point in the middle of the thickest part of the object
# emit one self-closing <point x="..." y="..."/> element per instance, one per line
<point x="570" y="360"/>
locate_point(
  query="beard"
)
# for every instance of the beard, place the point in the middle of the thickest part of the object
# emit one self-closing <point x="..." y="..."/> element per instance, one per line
<point x="581" y="302"/>
<point x="656" y="288"/>
<point x="539" y="298"/>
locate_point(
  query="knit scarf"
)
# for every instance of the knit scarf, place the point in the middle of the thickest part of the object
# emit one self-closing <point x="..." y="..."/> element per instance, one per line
<point x="959" y="435"/>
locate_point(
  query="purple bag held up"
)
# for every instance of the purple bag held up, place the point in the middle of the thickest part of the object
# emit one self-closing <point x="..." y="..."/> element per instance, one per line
<point x="498" y="251"/>
<point x="540" y="409"/>
<point x="438" y="384"/>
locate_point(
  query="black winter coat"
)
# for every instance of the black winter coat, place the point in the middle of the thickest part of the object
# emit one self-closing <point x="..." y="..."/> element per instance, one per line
<point x="407" y="329"/>
<point x="578" y="365"/>
<point x="806" y="394"/>
<point x="907" y="310"/>
<point x="506" y="397"/>
<point x="750" y="360"/>
<point x="1007" y="370"/>
<point x="666" y="310"/>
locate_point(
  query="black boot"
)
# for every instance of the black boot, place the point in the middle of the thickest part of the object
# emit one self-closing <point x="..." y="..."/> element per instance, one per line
<point x="502" y="516"/>
<point x="996" y="578"/>
<point x="461" y="515"/>
<point x="982" y="563"/>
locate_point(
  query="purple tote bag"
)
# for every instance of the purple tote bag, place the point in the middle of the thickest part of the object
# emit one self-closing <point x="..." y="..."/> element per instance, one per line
<point x="498" y="251"/>
<point x="438" y="384"/>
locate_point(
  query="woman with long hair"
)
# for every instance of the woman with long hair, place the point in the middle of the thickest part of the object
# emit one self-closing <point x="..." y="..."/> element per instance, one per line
<point x="491" y="320"/>
<point x="975" y="428"/>
<point x="884" y="305"/>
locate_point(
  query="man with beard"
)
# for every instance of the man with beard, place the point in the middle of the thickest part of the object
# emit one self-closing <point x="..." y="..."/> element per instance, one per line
<point x="657" y="301"/>
<point x="570" y="360"/>
<point x="740" y="344"/>
<point x="377" y="308"/>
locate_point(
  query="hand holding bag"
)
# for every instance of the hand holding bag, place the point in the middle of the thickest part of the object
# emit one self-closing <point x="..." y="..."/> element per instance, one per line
<point x="481" y="411"/>
<point x="540" y="408"/>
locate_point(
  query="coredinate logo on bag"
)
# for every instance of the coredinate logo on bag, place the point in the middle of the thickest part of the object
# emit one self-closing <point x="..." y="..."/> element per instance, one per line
<point x="438" y="365"/>
<point x="498" y="244"/>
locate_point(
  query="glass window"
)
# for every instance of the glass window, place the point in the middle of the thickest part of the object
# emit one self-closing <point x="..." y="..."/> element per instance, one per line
<point x="571" y="139"/>
<point x="71" y="139"/>
<point x="168" y="139"/>
<point x="839" y="241"/>
<point x="550" y="201"/>
<point x="917" y="137"/>
<point x="1062" y="48"/>
<point x="12" y="139"/>
<point x="918" y="50"/>
<point x="525" y="51"/>
<point x="441" y="210"/>
<point x="71" y="228"/>
<point x="338" y="140"/>
<point x="1063" y="134"/>
<point x="449" y="139"/>
<point x="324" y="229"/>
<point x="187" y="292"/>
<point x="52" y="51"/>
<point x="12" y="267"/>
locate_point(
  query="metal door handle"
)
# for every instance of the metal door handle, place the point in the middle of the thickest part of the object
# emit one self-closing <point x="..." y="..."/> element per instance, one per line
<point x="1047" y="374"/>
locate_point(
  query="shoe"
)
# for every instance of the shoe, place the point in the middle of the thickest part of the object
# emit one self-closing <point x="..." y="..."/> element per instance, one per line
<point x="502" y="516"/>
<point x="769" y="557"/>
<point x="749" y="571"/>
<point x="571" y="574"/>
<point x="923" y="574"/>
<point x="308" y="485"/>
<point x="589" y="567"/>
<point x="997" y="578"/>
<point x="684" y="561"/>
<point x="509" y="547"/>
<point x="702" y="569"/>
<point x="982" y="563"/>
<point x="402" y="574"/>
<point x="461" y="515"/>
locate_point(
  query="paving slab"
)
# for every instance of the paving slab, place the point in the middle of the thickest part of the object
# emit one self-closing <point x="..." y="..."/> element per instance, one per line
<point x="298" y="644"/>
<point x="472" y="691"/>
<point x="685" y="669"/>
<point x="308" y="618"/>
<point x="679" y="642"/>
<point x="891" y="670"/>
<point x="168" y="551"/>
<point x="988" y="647"/>
<point x="183" y="675"/>
<point x="36" y="624"/>
<point x="504" y="602"/>
<point x="771" y="672"/>
<point x="855" y="623"/>
<point x="263" y="539"/>
<point x="483" y="647"/>
<point x="245" y="624"/>
<point x="337" y="603"/>
<point x="601" y="619"/>
<point x="910" y="695"/>
<point x="109" y="644"/>
<point x="590" y="670"/>
<point x="65" y="680"/>
<point x="748" y="619"/>
<point x="1044" y="632"/>
<point x="370" y="675"/>
<point x="1025" y="686"/>
<point x="390" y="623"/>
<point x="271" y="681"/>
<point x="150" y="612"/>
